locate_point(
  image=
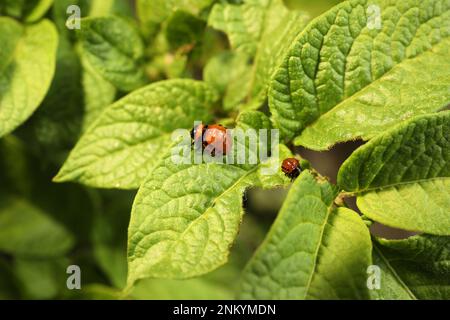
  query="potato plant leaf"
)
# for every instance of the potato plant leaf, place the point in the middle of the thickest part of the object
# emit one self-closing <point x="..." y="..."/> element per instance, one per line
<point x="98" y="92"/>
<point x="109" y="236"/>
<point x="262" y="30"/>
<point x="94" y="292"/>
<point x="191" y="289"/>
<point x="242" y="23"/>
<point x="39" y="10"/>
<point x="184" y="29"/>
<point x="152" y="13"/>
<point x="413" y="268"/>
<point x="51" y="281"/>
<point x="88" y="8"/>
<point x="27" y="10"/>
<point x="402" y="177"/>
<point x="27" y="69"/>
<point x="281" y="28"/>
<point x="98" y="8"/>
<point x="230" y="73"/>
<point x="124" y="143"/>
<point x="115" y="49"/>
<point x="29" y="232"/>
<point x="186" y="216"/>
<point x="352" y="74"/>
<point x="53" y="130"/>
<point x="313" y="250"/>
<point x="253" y="120"/>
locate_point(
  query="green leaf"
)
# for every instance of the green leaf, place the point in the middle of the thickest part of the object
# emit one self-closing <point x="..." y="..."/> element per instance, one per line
<point x="124" y="143"/>
<point x="41" y="278"/>
<point x="221" y="284"/>
<point x="185" y="230"/>
<point x="192" y="289"/>
<point x="391" y="285"/>
<point x="412" y="151"/>
<point x="27" y="71"/>
<point x="230" y="73"/>
<point x="89" y="91"/>
<point x="181" y="230"/>
<point x="152" y="13"/>
<point x="419" y="206"/>
<point x="28" y="177"/>
<point x="414" y="268"/>
<point x="10" y="37"/>
<point x="237" y="92"/>
<point x="98" y="8"/>
<point x="313" y="250"/>
<point x="94" y="292"/>
<point x="259" y="29"/>
<point x="38" y="10"/>
<point x="115" y="49"/>
<point x="315" y="7"/>
<point x="29" y="232"/>
<point x="344" y="78"/>
<point x="224" y="69"/>
<point x="253" y="120"/>
<point x="89" y="8"/>
<point x="281" y="26"/>
<point x="14" y="166"/>
<point x="184" y="28"/>
<point x="402" y="177"/>
<point x="28" y="10"/>
<point x="242" y="23"/>
<point x="53" y="130"/>
<point x="98" y="93"/>
<point x="157" y="289"/>
<point x="109" y="236"/>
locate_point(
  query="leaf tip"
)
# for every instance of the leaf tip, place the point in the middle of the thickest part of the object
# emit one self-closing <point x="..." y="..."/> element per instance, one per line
<point x="61" y="177"/>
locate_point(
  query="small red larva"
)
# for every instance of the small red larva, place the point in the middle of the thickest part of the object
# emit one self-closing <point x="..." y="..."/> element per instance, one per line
<point x="291" y="168"/>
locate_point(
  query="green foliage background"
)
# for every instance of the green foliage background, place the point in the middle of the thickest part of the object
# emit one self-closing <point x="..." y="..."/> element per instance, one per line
<point x="86" y="122"/>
